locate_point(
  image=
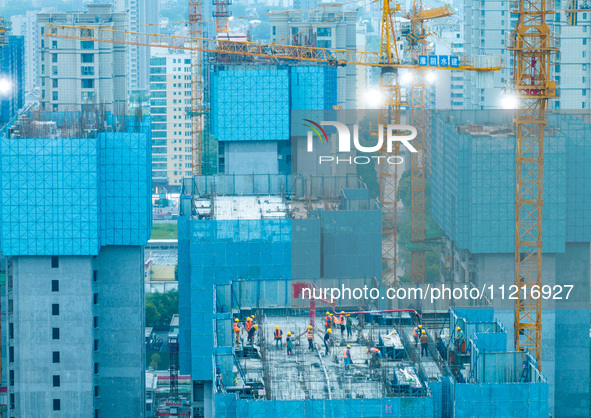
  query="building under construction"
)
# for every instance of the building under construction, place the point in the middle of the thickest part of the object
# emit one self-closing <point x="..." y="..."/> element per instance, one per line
<point x="250" y="245"/>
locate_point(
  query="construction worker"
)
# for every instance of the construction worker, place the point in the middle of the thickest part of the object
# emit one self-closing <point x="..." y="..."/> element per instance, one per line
<point x="424" y="343"/>
<point x="251" y="333"/>
<point x="342" y="322"/>
<point x="347" y="357"/>
<point x="310" y="337"/>
<point x="335" y="321"/>
<point x="278" y="335"/>
<point x="327" y="321"/>
<point x="416" y="333"/>
<point x="237" y="330"/>
<point x="289" y="344"/>
<point x="375" y="360"/>
<point x="459" y="339"/>
<point x="248" y="324"/>
<point x="327" y="341"/>
<point x="349" y="324"/>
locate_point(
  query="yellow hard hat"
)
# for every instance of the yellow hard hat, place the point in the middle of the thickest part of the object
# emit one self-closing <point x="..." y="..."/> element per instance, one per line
<point x="367" y="350"/>
<point x="423" y="331"/>
<point x="256" y="326"/>
<point x="236" y="320"/>
<point x="309" y="326"/>
<point x="276" y="327"/>
<point x="420" y="326"/>
<point x="347" y="315"/>
<point x="348" y="346"/>
<point x="329" y="330"/>
<point x="458" y="328"/>
<point x="328" y="313"/>
<point x="342" y="311"/>
<point x="289" y="333"/>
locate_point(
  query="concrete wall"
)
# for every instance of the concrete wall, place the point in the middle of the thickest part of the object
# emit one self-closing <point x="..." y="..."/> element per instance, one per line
<point x="258" y="157"/>
<point x="33" y="344"/>
<point x="120" y="332"/>
<point x="114" y="296"/>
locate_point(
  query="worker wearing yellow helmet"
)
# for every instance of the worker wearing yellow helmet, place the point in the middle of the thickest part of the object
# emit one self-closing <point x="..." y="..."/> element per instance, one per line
<point x="327" y="321"/>
<point x="416" y="333"/>
<point x="289" y="344"/>
<point x="237" y="330"/>
<point x="310" y="337"/>
<point x="348" y="325"/>
<point x="342" y="323"/>
<point x="278" y="336"/>
<point x="327" y="341"/>
<point x="251" y="333"/>
<point x="424" y="343"/>
<point x="459" y="340"/>
<point x="347" y="357"/>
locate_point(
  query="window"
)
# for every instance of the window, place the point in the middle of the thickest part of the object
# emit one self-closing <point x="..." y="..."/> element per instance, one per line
<point x="86" y="44"/>
<point x="43" y="94"/>
<point x="53" y="44"/>
<point x="54" y="83"/>
<point x="10" y="330"/>
<point x="294" y="31"/>
<point x="274" y="30"/>
<point x="54" y="96"/>
<point x="94" y="275"/>
<point x="87" y="58"/>
<point x="56" y="381"/>
<point x="87" y="70"/>
<point x="87" y="83"/>
<point x="96" y="368"/>
<point x="53" y="57"/>
<point x="95" y="345"/>
<point x="11" y="354"/>
<point x="95" y="321"/>
<point x="55" y="309"/>
<point x="54" y="70"/>
<point x="584" y="41"/>
<point x="584" y="92"/>
<point x="55" y="333"/>
<point x="55" y="285"/>
<point x="188" y="61"/>
<point x="96" y="391"/>
<point x="56" y="356"/>
<point x="157" y="61"/>
<point x="323" y="31"/>
<point x="11" y="377"/>
<point x="55" y="261"/>
<point x="95" y="298"/>
<point x="57" y="405"/>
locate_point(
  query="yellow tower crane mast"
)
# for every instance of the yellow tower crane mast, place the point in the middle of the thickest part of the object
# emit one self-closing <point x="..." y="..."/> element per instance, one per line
<point x="198" y="107"/>
<point x="532" y="43"/>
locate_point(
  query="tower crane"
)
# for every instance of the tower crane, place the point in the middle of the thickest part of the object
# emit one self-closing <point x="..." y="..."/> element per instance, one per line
<point x="532" y="43"/>
<point x="388" y="59"/>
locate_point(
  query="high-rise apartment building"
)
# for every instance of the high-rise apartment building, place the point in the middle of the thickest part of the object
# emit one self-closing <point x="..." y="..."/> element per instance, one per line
<point x="75" y="74"/>
<point x="142" y="16"/>
<point x="26" y="26"/>
<point x="12" y="77"/>
<point x="488" y="27"/>
<point x="170" y="98"/>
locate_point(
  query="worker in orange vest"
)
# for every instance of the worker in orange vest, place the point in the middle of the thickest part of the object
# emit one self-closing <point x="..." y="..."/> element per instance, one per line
<point x="416" y="333"/>
<point x="248" y="324"/>
<point x="376" y="357"/>
<point x="278" y="335"/>
<point x="342" y="322"/>
<point x="347" y="357"/>
<point x="237" y="330"/>
<point x="310" y="337"/>
<point x="335" y="321"/>
<point x="327" y="321"/>
<point x="251" y="333"/>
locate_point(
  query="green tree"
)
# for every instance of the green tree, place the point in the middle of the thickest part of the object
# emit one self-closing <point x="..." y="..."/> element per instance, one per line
<point x="152" y="314"/>
<point x="165" y="304"/>
<point x="154" y="360"/>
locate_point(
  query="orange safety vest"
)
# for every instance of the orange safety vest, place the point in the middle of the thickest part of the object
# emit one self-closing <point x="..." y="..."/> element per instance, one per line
<point x="310" y="334"/>
<point x="342" y="319"/>
<point x="278" y="334"/>
<point x="415" y="332"/>
<point x="374" y="350"/>
<point x="347" y="354"/>
<point x="236" y="327"/>
<point x="248" y="325"/>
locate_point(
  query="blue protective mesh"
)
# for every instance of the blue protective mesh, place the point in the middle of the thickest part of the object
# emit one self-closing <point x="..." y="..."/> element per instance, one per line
<point x="72" y="196"/>
<point x="473" y="183"/>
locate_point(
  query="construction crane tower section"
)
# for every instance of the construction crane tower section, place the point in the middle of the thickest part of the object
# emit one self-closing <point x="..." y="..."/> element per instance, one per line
<point x="532" y="43"/>
<point x="197" y="104"/>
